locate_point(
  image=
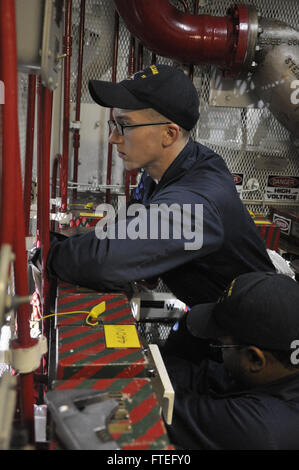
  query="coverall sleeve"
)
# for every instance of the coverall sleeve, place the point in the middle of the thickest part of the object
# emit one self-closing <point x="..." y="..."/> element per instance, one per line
<point x="138" y="246"/>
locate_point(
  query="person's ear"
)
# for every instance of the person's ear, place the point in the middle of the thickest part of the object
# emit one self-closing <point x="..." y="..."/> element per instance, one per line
<point x="255" y="358"/>
<point x="171" y="134"/>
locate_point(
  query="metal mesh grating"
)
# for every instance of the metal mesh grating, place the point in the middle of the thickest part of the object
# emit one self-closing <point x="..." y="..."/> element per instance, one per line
<point x="155" y="331"/>
<point x="98" y="44"/>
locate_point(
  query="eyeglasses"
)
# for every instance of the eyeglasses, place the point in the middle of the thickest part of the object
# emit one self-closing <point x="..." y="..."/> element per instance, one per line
<point x="120" y="127"/>
<point x="226" y="346"/>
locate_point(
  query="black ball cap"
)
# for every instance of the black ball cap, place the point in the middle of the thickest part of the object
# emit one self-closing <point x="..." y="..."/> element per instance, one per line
<point x="257" y="308"/>
<point x="163" y="88"/>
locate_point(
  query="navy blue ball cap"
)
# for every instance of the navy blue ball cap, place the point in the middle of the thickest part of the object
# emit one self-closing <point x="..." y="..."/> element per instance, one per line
<point x="257" y="308"/>
<point x="163" y="88"/>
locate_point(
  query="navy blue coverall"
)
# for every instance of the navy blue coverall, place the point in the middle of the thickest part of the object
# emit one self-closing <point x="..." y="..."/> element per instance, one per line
<point x="231" y="244"/>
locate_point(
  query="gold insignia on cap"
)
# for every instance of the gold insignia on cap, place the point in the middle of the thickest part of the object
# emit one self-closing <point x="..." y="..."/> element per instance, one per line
<point x="231" y="288"/>
<point x="227" y="292"/>
<point x="154" y="69"/>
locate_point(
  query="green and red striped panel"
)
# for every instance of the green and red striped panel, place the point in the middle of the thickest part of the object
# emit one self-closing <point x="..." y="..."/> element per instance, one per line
<point x="271" y="235"/>
<point x="82" y="352"/>
<point x="118" y="310"/>
<point x="143" y="427"/>
<point x="66" y="288"/>
<point x="269" y="232"/>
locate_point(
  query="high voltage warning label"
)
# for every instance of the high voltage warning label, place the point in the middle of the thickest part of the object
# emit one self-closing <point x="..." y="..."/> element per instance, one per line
<point x="282" y="188"/>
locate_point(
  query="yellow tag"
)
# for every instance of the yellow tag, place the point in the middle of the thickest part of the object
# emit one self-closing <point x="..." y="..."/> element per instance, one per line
<point x="98" y="309"/>
<point x="121" y="336"/>
<point x="89" y="205"/>
<point x="95" y="313"/>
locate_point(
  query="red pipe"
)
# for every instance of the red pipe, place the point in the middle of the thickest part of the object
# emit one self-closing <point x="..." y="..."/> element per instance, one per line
<point x="44" y="188"/>
<point x="191" y="67"/>
<point x="29" y="149"/>
<point x="187" y="38"/>
<point x="140" y="57"/>
<point x="24" y="339"/>
<point x="57" y="166"/>
<point x="9" y="121"/>
<point x="131" y="71"/>
<point x="114" y="73"/>
<point x="39" y="155"/>
<point x="132" y="63"/>
<point x="12" y="223"/>
<point x="130" y="176"/>
<point x="78" y="97"/>
<point x="66" y="104"/>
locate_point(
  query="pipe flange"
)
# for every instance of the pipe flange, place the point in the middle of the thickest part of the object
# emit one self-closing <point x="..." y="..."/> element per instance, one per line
<point x="244" y="38"/>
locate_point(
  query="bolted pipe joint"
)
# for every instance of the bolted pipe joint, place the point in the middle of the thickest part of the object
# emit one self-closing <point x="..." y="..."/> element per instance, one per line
<point x="228" y="41"/>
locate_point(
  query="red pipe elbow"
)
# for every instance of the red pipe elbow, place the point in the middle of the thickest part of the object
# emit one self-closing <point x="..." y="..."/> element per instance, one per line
<point x="187" y="38"/>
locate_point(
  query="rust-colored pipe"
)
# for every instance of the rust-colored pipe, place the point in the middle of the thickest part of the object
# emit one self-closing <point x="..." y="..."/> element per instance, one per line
<point x="187" y="38"/>
<point x="12" y="223"/>
<point x="78" y="97"/>
<point x="66" y="103"/>
<point x="29" y="149"/>
<point x="114" y="73"/>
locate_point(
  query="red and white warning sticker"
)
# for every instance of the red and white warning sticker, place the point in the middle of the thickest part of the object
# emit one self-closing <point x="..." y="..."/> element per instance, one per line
<point x="282" y="188"/>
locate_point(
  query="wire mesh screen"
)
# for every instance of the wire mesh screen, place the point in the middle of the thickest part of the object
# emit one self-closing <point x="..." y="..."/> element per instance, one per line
<point x="155" y="331"/>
